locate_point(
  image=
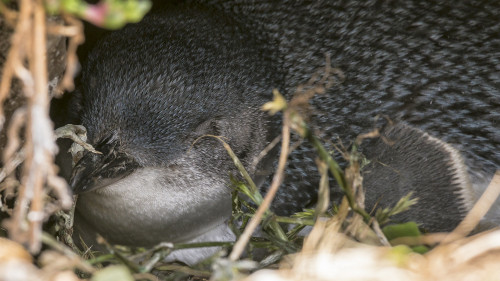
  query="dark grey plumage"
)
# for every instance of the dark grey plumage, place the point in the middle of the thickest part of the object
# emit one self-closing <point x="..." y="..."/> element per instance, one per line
<point x="431" y="64"/>
<point x="405" y="159"/>
<point x="149" y="90"/>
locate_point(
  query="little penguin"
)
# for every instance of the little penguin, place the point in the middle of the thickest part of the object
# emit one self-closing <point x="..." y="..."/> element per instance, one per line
<point x="151" y="93"/>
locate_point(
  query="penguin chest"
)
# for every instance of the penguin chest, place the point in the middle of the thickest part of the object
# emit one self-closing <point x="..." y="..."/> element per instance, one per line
<point x="154" y="205"/>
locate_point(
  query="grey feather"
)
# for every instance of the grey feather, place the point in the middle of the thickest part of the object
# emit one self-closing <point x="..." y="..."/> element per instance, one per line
<point x="207" y="67"/>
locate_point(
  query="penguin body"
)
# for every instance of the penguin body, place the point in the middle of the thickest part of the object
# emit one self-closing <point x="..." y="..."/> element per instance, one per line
<point x="150" y="90"/>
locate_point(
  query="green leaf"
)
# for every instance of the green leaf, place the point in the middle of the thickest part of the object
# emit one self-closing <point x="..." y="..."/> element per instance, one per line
<point x="409" y="229"/>
<point x="383" y="215"/>
<point x="420" y="249"/>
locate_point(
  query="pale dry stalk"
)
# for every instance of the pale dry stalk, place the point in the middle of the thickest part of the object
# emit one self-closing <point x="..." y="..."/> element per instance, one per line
<point x="28" y="47"/>
<point x="240" y="245"/>
<point x="74" y="31"/>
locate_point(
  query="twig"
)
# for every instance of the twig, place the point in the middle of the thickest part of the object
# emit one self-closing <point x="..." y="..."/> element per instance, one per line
<point x="337" y="173"/>
<point x="28" y="46"/>
<point x="13" y="132"/>
<point x="478" y="211"/>
<point x="76" y="133"/>
<point x="38" y="148"/>
<point x="51" y="242"/>
<point x="13" y="163"/>
<point x="148" y="276"/>
<point x="16" y="50"/>
<point x="12" y="159"/>
<point x="324" y="189"/>
<point x="378" y="231"/>
<point x="264" y="152"/>
<point x="289" y="220"/>
<point x="254" y="192"/>
<point x="240" y="245"/>
<point x="13" y="65"/>
<point x="9" y="14"/>
<point x="185" y="269"/>
<point x="236" y="161"/>
<point x="75" y="33"/>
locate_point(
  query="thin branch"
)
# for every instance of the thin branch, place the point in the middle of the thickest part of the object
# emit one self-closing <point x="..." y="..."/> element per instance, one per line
<point x="75" y="33"/>
<point x="240" y="245"/>
<point x="478" y="211"/>
<point x="16" y="51"/>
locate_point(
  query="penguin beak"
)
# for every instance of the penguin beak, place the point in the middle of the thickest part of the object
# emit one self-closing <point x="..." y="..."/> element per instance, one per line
<point x="94" y="171"/>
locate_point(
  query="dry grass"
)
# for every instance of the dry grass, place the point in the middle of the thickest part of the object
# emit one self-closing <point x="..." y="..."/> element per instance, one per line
<point x="331" y="255"/>
<point x="345" y="243"/>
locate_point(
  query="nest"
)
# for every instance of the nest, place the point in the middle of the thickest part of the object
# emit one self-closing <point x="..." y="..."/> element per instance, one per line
<point x="345" y="244"/>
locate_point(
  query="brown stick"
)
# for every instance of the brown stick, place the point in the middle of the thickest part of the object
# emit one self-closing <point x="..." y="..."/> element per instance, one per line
<point x="478" y="211"/>
<point x="240" y="245"/>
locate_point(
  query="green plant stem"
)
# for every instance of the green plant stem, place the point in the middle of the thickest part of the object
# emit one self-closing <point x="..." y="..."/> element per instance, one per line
<point x="202" y="244"/>
<point x="294" y="220"/>
<point x="256" y="197"/>
<point x="336" y="171"/>
<point x="47" y="239"/>
<point x="185" y="269"/>
<point x="101" y="259"/>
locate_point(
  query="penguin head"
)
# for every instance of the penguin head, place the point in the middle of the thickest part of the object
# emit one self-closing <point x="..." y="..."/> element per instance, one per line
<point x="150" y="94"/>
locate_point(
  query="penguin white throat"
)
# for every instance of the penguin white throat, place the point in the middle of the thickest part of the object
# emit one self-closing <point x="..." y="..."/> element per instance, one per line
<point x="178" y="203"/>
<point x="132" y="202"/>
<point x="147" y="207"/>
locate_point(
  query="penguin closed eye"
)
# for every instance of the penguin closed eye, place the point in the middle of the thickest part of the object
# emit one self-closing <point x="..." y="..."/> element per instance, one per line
<point x="152" y="90"/>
